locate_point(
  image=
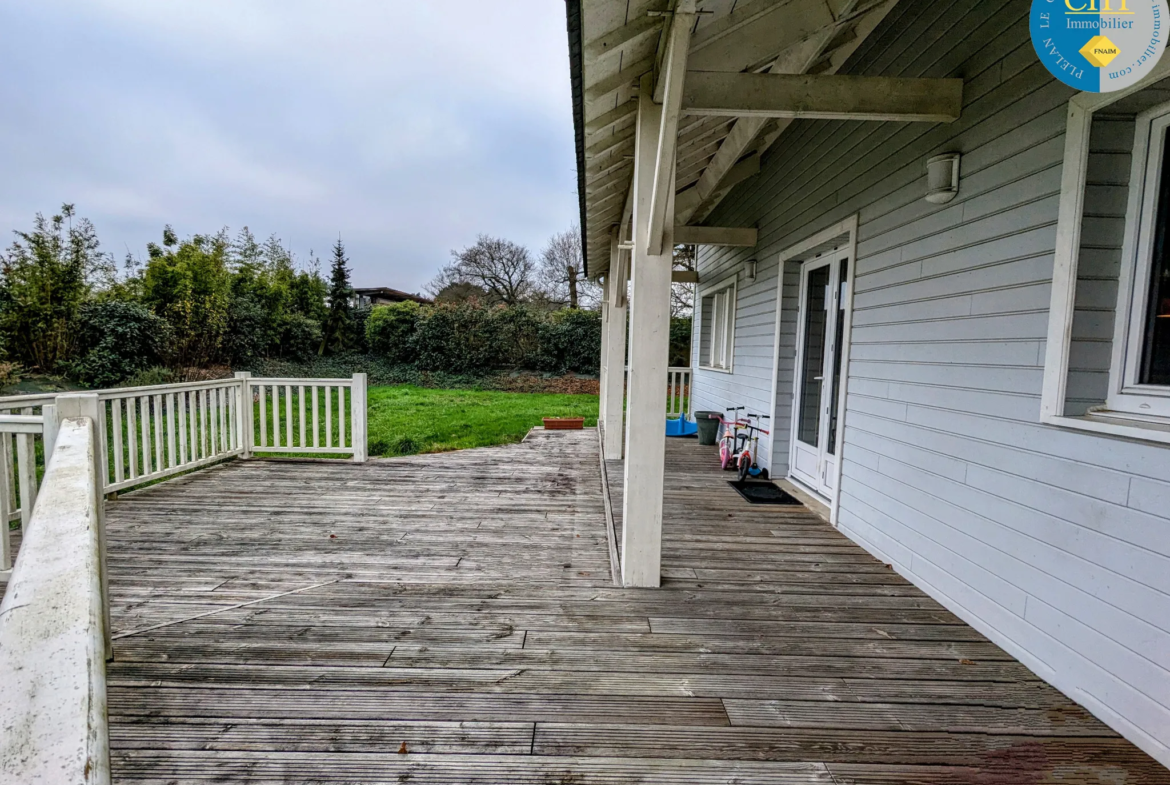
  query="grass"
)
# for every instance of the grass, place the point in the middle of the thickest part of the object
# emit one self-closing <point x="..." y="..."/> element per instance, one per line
<point x="407" y="420"/>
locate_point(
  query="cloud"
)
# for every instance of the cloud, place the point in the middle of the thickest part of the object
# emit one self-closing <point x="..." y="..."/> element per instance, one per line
<point x="408" y="128"/>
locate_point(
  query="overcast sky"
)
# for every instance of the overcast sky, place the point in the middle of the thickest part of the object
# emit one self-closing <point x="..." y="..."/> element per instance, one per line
<point x="407" y="127"/>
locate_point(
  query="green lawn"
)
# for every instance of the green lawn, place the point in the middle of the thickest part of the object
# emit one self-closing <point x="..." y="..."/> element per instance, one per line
<point x="407" y="420"/>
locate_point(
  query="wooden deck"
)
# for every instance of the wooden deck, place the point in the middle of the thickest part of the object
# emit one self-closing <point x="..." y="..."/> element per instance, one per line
<point x="451" y="619"/>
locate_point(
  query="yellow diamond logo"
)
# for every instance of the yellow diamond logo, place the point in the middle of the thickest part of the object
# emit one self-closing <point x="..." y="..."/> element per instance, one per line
<point x="1100" y="51"/>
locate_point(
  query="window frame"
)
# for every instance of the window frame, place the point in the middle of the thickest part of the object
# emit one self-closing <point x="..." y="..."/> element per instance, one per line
<point x="1146" y="427"/>
<point x="1127" y="396"/>
<point x="728" y="288"/>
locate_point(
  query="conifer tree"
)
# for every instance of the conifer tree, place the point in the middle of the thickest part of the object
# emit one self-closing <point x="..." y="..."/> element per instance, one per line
<point x="338" y="335"/>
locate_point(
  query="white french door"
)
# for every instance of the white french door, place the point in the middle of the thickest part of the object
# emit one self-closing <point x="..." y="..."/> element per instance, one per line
<point x="823" y="300"/>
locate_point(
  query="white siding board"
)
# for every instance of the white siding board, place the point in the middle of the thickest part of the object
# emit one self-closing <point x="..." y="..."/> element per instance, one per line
<point x="962" y="353"/>
<point x="1005" y="552"/>
<point x="1149" y="496"/>
<point x="1103" y="484"/>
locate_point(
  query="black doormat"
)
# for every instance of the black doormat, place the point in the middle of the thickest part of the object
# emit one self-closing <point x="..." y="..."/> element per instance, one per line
<point x="763" y="492"/>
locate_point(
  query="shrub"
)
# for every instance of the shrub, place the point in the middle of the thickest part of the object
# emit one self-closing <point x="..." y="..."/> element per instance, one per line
<point x="246" y="337"/>
<point x="456" y="338"/>
<point x="10" y="374"/>
<point x="517" y="334"/>
<point x="570" y="340"/>
<point x="357" y="339"/>
<point x="390" y="332"/>
<point x="117" y="340"/>
<point x="300" y="337"/>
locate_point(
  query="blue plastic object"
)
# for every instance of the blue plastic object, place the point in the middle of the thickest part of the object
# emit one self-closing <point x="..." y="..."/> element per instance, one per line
<point x="681" y="427"/>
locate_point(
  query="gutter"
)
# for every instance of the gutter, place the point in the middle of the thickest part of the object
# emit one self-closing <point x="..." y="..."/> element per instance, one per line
<point x="577" y="78"/>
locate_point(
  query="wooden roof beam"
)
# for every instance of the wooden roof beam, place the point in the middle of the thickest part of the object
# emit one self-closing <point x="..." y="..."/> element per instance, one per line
<point x="612" y="117"/>
<point x="823" y="97"/>
<point x="733" y="237"/>
<point x="608" y="143"/>
<point x="629" y="34"/>
<point x="689" y="200"/>
<point x="623" y="78"/>
<point x="754" y="32"/>
<point x="862" y="16"/>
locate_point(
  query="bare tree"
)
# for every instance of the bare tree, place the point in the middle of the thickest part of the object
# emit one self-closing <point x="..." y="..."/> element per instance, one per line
<point x="500" y="267"/>
<point x="562" y="272"/>
<point x="682" y="295"/>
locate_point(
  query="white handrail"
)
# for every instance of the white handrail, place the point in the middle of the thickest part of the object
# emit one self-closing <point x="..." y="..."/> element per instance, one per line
<point x="53" y="628"/>
<point x="18" y="476"/>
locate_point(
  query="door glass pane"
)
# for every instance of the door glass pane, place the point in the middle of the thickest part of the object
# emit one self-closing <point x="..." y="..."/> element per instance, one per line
<point x="1155" y="368"/>
<point x="812" y="372"/>
<point x="838" y="340"/>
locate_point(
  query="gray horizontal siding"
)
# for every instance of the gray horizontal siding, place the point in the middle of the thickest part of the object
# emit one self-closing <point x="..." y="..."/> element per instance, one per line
<point x="1054" y="543"/>
<point x="750" y="383"/>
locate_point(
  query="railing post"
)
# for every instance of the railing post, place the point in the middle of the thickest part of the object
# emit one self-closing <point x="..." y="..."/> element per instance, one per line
<point x="73" y="406"/>
<point x="49" y="434"/>
<point x="6" y="505"/>
<point x="245" y="414"/>
<point x="357" y="404"/>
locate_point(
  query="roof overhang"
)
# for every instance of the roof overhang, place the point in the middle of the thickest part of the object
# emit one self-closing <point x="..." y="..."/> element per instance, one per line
<point x="731" y="75"/>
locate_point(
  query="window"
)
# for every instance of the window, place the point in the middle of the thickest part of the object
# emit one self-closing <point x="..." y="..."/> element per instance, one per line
<point x="717" y="326"/>
<point x="1140" y="374"/>
<point x="1107" y="363"/>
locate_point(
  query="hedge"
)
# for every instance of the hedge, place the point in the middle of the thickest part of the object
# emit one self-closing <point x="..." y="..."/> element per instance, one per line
<point x="469" y="338"/>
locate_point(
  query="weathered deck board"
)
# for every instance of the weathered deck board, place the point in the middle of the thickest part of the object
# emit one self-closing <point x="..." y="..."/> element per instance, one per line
<point x="292" y="622"/>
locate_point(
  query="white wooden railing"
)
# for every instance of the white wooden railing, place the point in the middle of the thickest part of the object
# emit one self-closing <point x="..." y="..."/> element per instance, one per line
<point x="155" y="432"/>
<point x="678" y="392"/>
<point x="19" y="435"/>
<point x="311" y="415"/>
<point x="18" y="464"/>
<point x="149" y="433"/>
<point x="54" y="625"/>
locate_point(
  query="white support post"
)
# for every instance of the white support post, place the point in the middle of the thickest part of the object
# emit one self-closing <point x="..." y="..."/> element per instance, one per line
<point x="649" y="350"/>
<point x="613" y="349"/>
<point x="357" y="405"/>
<point x="49" y="435"/>
<point x="71" y="407"/>
<point x="244" y="413"/>
<point x="603" y="367"/>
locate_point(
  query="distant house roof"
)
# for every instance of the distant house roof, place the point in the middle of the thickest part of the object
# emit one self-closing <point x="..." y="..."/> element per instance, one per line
<point x="387" y="294"/>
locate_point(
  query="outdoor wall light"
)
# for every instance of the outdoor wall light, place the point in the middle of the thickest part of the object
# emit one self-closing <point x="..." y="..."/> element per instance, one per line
<point x="942" y="178"/>
<point x="749" y="269"/>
